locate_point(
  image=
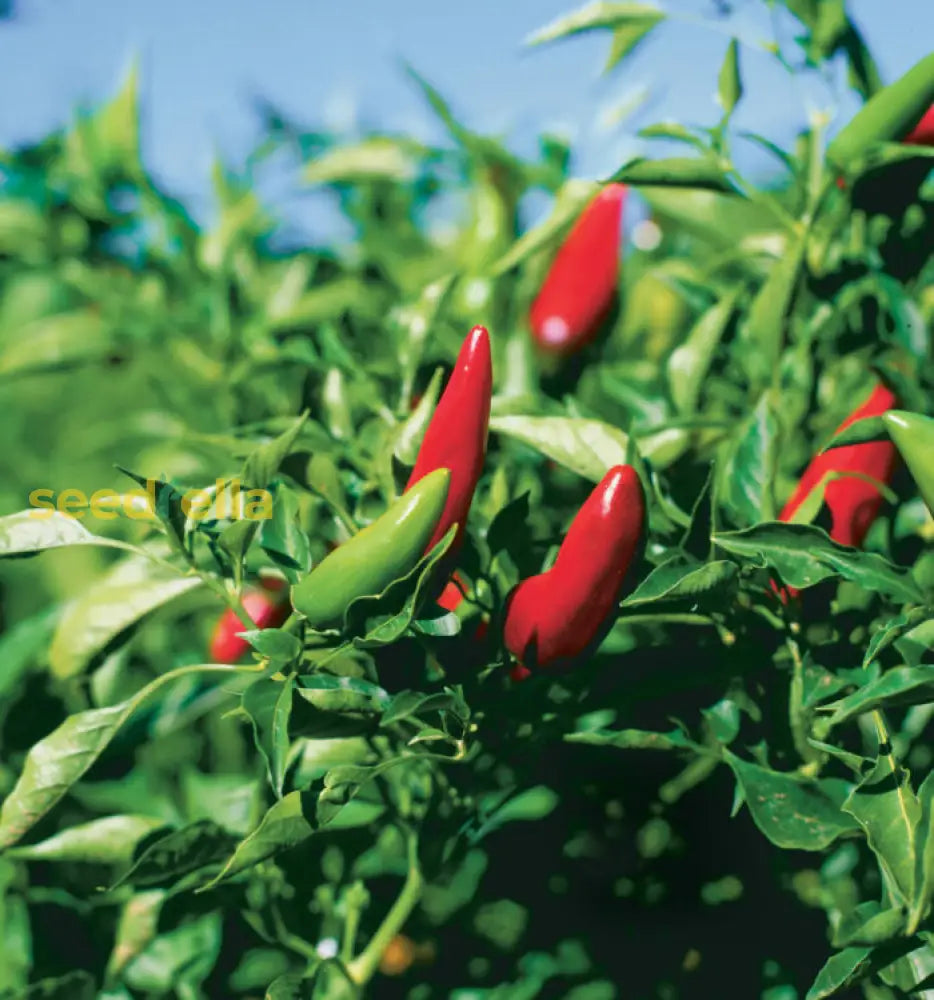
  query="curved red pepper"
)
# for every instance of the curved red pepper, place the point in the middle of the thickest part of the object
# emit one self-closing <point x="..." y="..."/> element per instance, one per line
<point x="923" y="133"/>
<point x="555" y="616"/>
<point x="228" y="647"/>
<point x="456" y="437"/>
<point x="853" y="503"/>
<point x="580" y="288"/>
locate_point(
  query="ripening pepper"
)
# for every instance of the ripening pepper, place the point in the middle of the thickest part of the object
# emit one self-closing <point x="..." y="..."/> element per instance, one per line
<point x="456" y="436"/>
<point x="923" y="133"/>
<point x="580" y="288"/>
<point x="555" y="616"/>
<point x="266" y="611"/>
<point x="853" y="503"/>
<point x="913" y="435"/>
<point x="382" y="552"/>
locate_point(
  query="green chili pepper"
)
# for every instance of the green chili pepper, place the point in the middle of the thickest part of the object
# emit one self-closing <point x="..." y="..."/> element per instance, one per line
<point x="887" y="116"/>
<point x="382" y="552"/>
<point x="913" y="435"/>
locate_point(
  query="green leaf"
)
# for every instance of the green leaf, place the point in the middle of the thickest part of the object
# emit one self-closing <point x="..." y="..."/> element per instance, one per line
<point x="887" y="809"/>
<point x="689" y="363"/>
<point x="131" y="590"/>
<point x="330" y="693"/>
<point x="285" y="825"/>
<point x="263" y="462"/>
<point x="840" y="971"/>
<point x="876" y="928"/>
<point x="55" y="763"/>
<point x="729" y="84"/>
<point x="20" y="649"/>
<point x="569" y="203"/>
<point x="415" y="704"/>
<point x="72" y="986"/>
<point x="747" y="477"/>
<point x="376" y="158"/>
<point x="268" y="703"/>
<point x="794" y="813"/>
<point x="860" y="431"/>
<point x="587" y="447"/>
<point x="412" y="430"/>
<point x="703" y="173"/>
<point x="282" y="538"/>
<point x="680" y="580"/>
<point x="805" y="555"/>
<point x="274" y="643"/>
<point x="179" y="853"/>
<point x="627" y="36"/>
<point x="596" y="16"/>
<point x="35" y="530"/>
<point x="110" y="840"/>
<point x="768" y="321"/>
<point x="184" y="955"/>
<point x="508" y="524"/>
<point x="383" y="618"/>
<point x="901" y="686"/>
<point x="137" y="926"/>
<point x="529" y="805"/>
<point x="634" y="739"/>
<point x="56" y="342"/>
<point x="923" y="881"/>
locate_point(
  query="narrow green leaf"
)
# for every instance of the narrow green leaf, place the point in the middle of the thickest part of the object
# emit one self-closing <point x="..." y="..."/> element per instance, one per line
<point x="179" y="853"/>
<point x="110" y="840"/>
<point x="901" y="686"/>
<point x="729" y="83"/>
<point x="702" y="173"/>
<point x="677" y="580"/>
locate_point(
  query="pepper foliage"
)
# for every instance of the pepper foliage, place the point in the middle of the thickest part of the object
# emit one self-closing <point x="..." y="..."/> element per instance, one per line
<point x="171" y="828"/>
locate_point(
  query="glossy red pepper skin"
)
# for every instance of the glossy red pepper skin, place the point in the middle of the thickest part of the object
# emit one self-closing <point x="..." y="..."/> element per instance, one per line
<point x="580" y="288"/>
<point x="266" y="611"/>
<point x="555" y="616"/>
<point x="923" y="133"/>
<point x="456" y="436"/>
<point x="853" y="503"/>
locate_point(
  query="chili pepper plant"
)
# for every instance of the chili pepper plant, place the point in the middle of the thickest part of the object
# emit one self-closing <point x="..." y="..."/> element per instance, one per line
<point x="506" y="613"/>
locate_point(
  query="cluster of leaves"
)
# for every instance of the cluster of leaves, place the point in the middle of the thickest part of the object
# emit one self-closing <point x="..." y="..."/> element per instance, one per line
<point x="172" y="827"/>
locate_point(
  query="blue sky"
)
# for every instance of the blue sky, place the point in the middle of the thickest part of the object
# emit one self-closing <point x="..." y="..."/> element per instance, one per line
<point x="204" y="61"/>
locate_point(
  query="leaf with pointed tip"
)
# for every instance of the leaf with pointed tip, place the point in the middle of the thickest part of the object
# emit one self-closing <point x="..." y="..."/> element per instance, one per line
<point x="793" y="812"/>
<point x="886" y="807"/>
<point x="804" y="555"/>
<point x="55" y="763"/>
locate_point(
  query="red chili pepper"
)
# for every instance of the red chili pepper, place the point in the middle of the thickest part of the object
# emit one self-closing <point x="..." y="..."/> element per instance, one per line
<point x="923" y="133"/>
<point x="456" y="437"/>
<point x="555" y="616"/>
<point x="853" y="503"/>
<point x="228" y="647"/>
<point x="580" y="288"/>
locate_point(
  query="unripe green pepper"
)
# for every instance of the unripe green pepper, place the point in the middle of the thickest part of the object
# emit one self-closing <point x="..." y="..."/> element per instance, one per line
<point x="913" y="435"/>
<point x="382" y="552"/>
<point x="887" y="116"/>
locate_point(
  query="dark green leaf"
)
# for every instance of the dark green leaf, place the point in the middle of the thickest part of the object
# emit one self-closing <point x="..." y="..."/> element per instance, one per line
<point x="804" y="555"/>
<point x="793" y="812"/>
